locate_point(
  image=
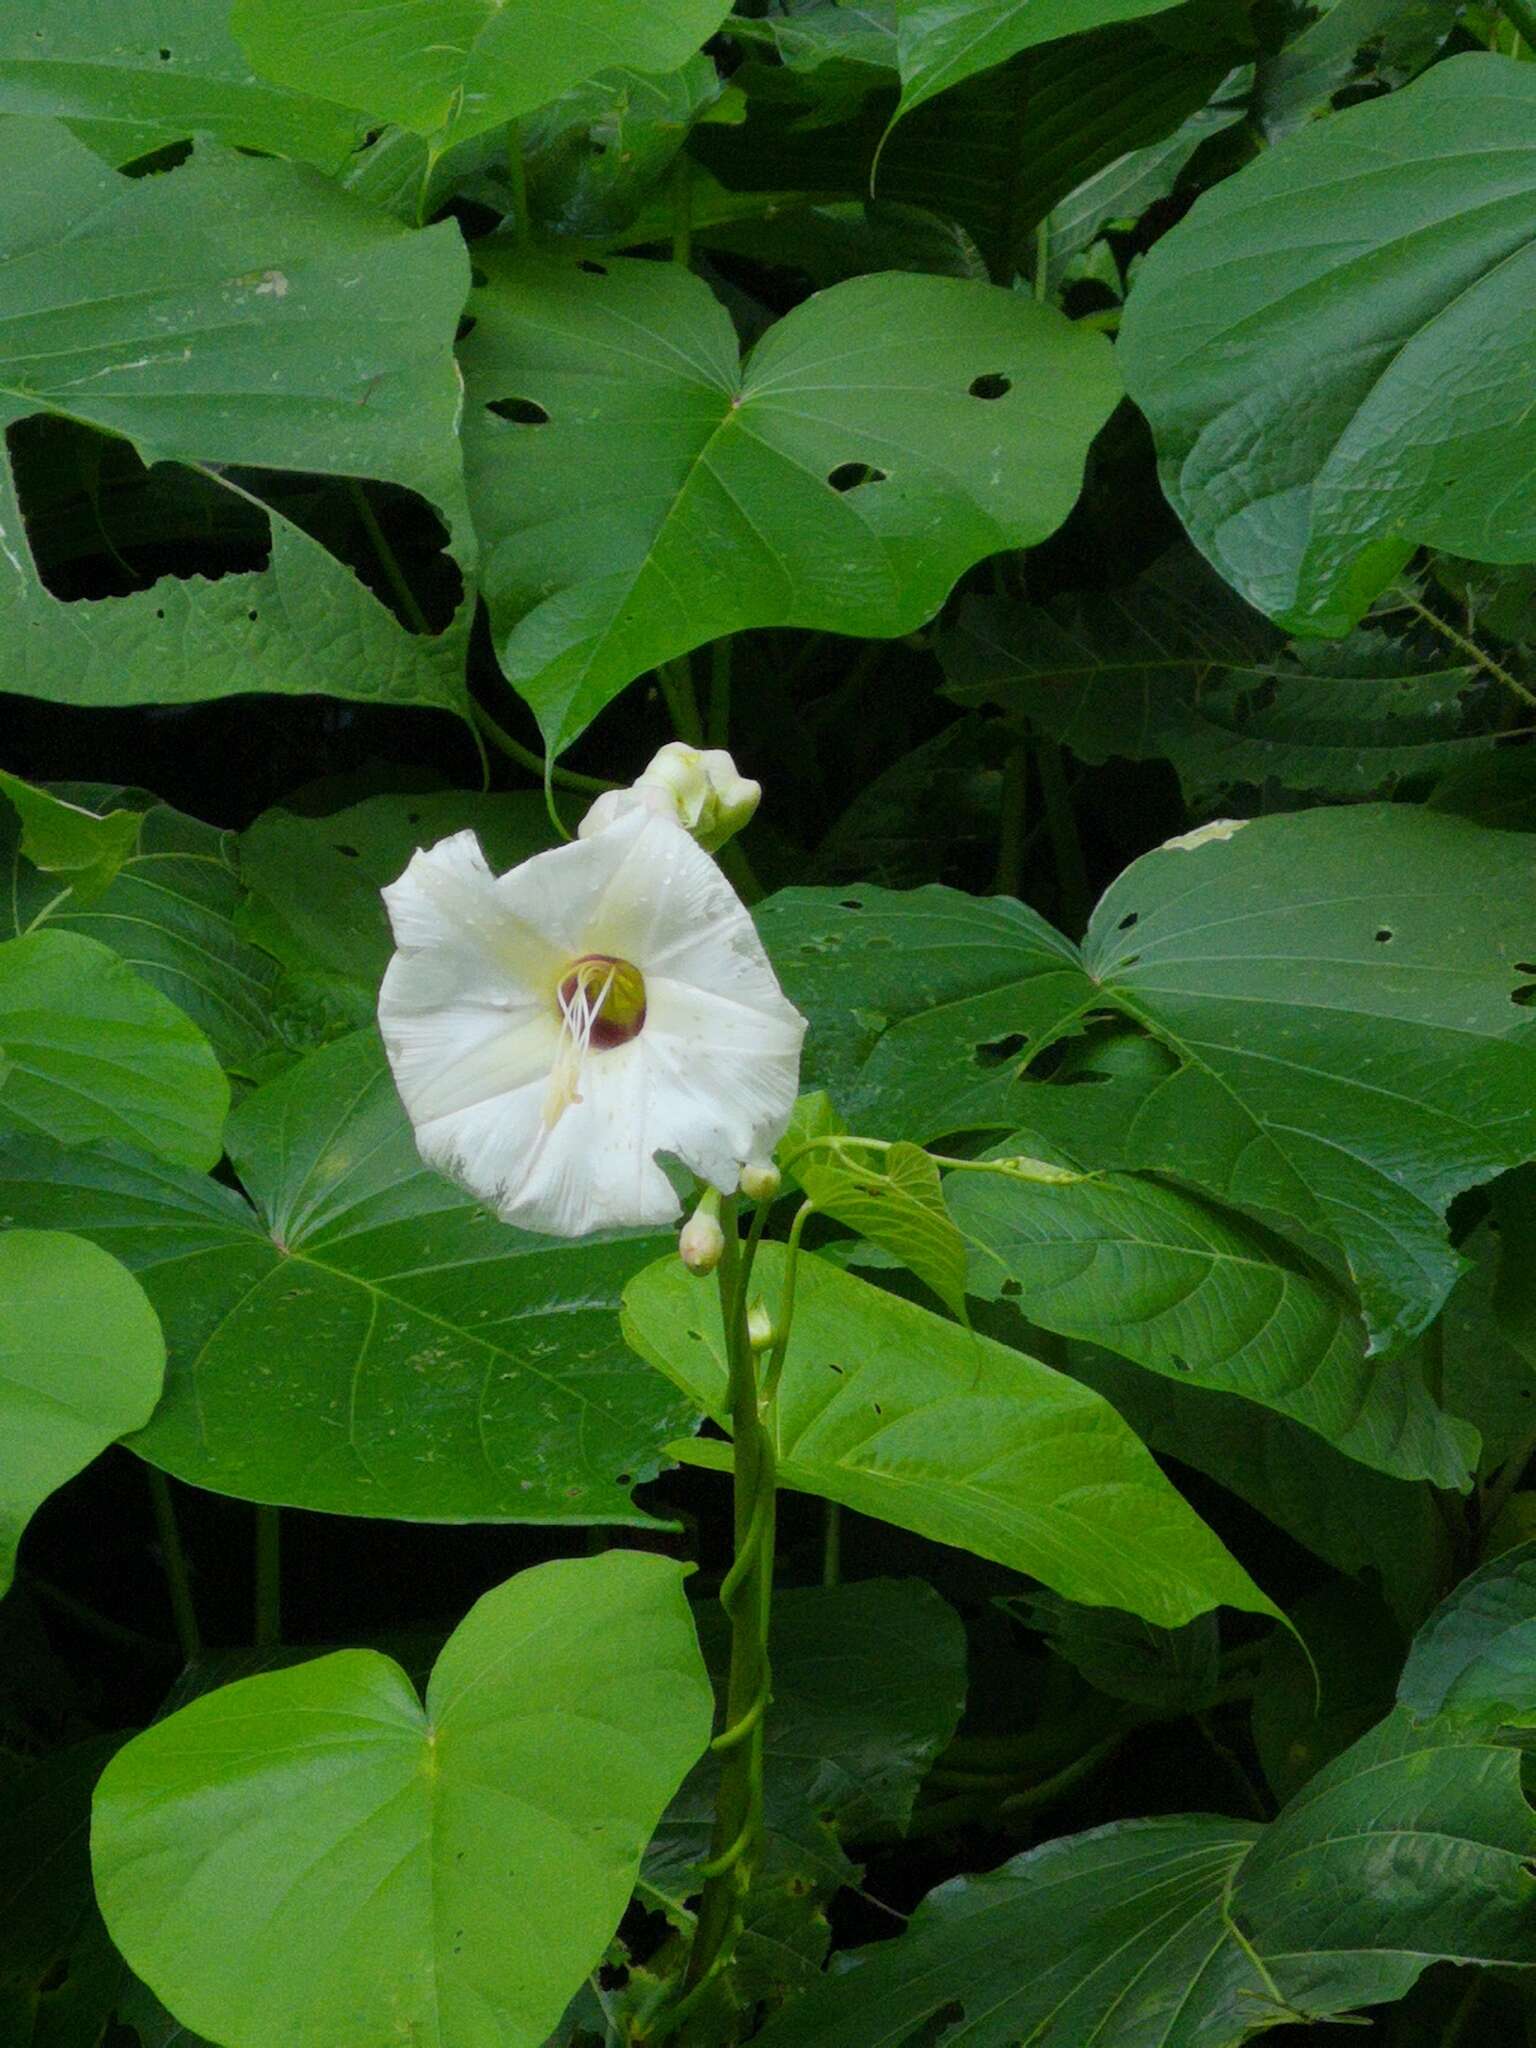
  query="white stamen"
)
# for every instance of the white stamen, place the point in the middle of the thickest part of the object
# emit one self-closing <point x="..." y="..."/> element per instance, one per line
<point x="578" y="1020"/>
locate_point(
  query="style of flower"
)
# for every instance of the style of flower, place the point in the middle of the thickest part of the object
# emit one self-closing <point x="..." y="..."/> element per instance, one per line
<point x="553" y="1029"/>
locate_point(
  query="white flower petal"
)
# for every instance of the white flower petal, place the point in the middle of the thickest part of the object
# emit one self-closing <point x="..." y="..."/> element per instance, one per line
<point x="450" y="904"/>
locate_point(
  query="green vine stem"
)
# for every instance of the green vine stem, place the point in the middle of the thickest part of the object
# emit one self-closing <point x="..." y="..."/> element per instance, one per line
<point x="269" y="1576"/>
<point x="1522" y="15"/>
<point x="746" y="1594"/>
<point x="173" y="1558"/>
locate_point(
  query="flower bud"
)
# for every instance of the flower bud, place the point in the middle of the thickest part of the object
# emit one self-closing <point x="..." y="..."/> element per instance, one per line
<point x="759" y="1325"/>
<point x="760" y="1180"/>
<point x="701" y="1242"/>
<point x="697" y="788"/>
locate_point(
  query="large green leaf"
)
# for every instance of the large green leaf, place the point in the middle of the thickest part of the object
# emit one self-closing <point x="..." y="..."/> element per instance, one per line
<point x="940" y="43"/>
<point x="638" y="490"/>
<point x="366" y="1340"/>
<point x="81" y="1362"/>
<point x="1474" y="1660"/>
<point x="1413" y="1846"/>
<point x="80" y="850"/>
<point x="313" y="1856"/>
<point x="451" y="69"/>
<point x="1176" y="1285"/>
<point x="1301" y="339"/>
<point x="1357" y="1048"/>
<point x="924" y="1004"/>
<point x="169" y="912"/>
<point x="240" y="312"/>
<point x="142" y="72"/>
<point x="901" y="1415"/>
<point x="88" y="1052"/>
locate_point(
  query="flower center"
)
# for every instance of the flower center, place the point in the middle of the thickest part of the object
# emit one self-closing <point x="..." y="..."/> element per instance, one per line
<point x="602" y="1004"/>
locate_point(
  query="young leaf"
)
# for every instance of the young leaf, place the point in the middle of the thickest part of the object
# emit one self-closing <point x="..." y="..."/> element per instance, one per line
<point x="367" y="1341"/>
<point x="83" y="849"/>
<point x="88" y="1051"/>
<point x="1173" y="1283"/>
<point x="451" y="69"/>
<point x="640" y="491"/>
<point x="314" y="1856"/>
<point x="233" y="312"/>
<point x="81" y="1362"/>
<point x="1286" y="338"/>
<point x="898" y="1414"/>
<point x="895" y="1200"/>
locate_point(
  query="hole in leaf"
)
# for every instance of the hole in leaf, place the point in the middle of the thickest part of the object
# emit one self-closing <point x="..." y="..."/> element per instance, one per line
<point x="624" y="1479"/>
<point x="521" y="411"/>
<point x="351" y="852"/>
<point x="1131" y="917"/>
<point x="877" y="1408"/>
<point x="165" y="56"/>
<point x="993" y="385"/>
<point x="1524" y="995"/>
<point x="849" y="903"/>
<point x="1130" y="960"/>
<point x="996" y="1052"/>
<point x="848" y="476"/>
<point x="833" y="1368"/>
<point x="1179" y="1362"/>
<point x="465" y="328"/>
<point x="1385" y="935"/>
<point x="592" y="269"/>
<point x="1010" y="1288"/>
<point x="1525" y="967"/>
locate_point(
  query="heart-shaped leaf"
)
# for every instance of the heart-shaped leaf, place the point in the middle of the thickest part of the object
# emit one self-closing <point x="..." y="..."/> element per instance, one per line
<point x="1300" y="340"/>
<point x="940" y="43"/>
<point x="81" y="1361"/>
<point x="896" y="1413"/>
<point x="366" y="1340"/>
<point x="313" y="1856"/>
<point x="88" y="1051"/>
<point x="639" y="490"/>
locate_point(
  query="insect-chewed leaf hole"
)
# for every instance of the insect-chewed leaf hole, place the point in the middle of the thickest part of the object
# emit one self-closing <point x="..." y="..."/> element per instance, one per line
<point x="523" y="412"/>
<point x="849" y="476"/>
<point x="993" y="384"/>
<point x="996" y="1052"/>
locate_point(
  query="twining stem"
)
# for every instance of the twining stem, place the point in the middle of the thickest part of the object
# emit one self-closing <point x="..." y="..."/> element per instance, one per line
<point x="389" y="561"/>
<point x="525" y="757"/>
<point x="517" y="179"/>
<point x="682" y="210"/>
<point x="174" y="1561"/>
<point x="1523" y="15"/>
<point x="1061" y="823"/>
<point x="746" y="1595"/>
<point x="269" y="1576"/>
<point x="1009" y="879"/>
<point x="675" y="679"/>
<point x="717" y="726"/>
<point x="1458" y="640"/>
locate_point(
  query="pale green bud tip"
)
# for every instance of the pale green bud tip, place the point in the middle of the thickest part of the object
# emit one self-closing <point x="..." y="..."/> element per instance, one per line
<point x="701" y="1242"/>
<point x="761" y="1180"/>
<point x="696" y="787"/>
<point x="759" y="1326"/>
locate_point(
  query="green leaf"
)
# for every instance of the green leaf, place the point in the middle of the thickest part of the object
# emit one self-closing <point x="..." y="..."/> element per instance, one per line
<point x="896" y="1413"/>
<point x="367" y="1341"/>
<point x="451" y="69"/>
<point x="1356" y="1048"/>
<point x="1474" y="1661"/>
<point x="1374" y="258"/>
<point x="59" y="1973"/>
<point x="313" y="1856"/>
<point x="139" y="78"/>
<point x="88" y="1052"/>
<point x="170" y="913"/>
<point x="868" y="1686"/>
<point x="233" y="312"/>
<point x="1178" y="1286"/>
<point x="1309" y="1705"/>
<point x="594" y="155"/>
<point x="895" y="1200"/>
<point x="64" y="839"/>
<point x="1197" y="1932"/>
<point x="924" y="1005"/>
<point x="1484" y="1377"/>
<point x="1171" y="1670"/>
<point x="1389" y="1533"/>
<point x="81" y="1363"/>
<point x="639" y="491"/>
<point x="942" y="42"/>
<point x="1177" y="669"/>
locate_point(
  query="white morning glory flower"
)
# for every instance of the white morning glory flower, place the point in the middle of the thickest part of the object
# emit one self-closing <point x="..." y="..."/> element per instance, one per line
<point x="554" y="1028"/>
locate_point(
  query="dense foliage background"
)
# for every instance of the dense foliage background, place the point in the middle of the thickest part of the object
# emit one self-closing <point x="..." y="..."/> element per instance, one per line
<point x="1081" y="458"/>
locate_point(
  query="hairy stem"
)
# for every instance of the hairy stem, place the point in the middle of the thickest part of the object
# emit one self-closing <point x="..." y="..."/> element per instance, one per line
<point x="1469" y="648"/>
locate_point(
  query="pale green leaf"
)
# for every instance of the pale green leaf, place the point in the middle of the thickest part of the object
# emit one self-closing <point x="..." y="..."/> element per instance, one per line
<point x="81" y="1362"/>
<point x="895" y="1200"/>
<point x="366" y="1340"/>
<point x="89" y="1051"/>
<point x="85" y="849"/>
<point x="451" y="69"/>
<point x="234" y="312"/>
<point x="314" y="1856"/>
<point x="1300" y="339"/>
<point x="638" y="490"/>
<point x="898" y="1414"/>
